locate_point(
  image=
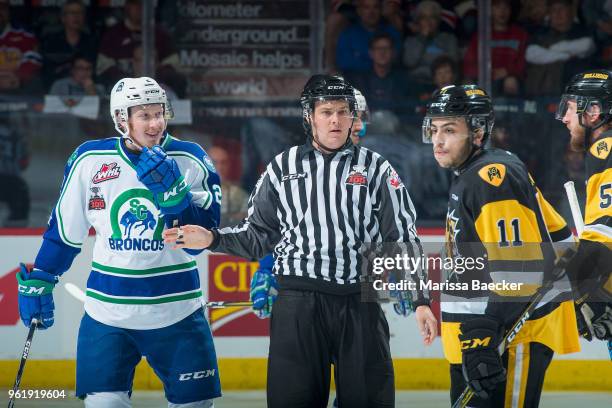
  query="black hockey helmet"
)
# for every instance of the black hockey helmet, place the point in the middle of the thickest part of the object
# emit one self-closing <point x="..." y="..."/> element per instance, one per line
<point x="469" y="101"/>
<point x="588" y="89"/>
<point x="322" y="87"/>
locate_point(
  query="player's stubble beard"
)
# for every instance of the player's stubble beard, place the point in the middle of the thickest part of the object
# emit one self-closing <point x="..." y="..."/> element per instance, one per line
<point x="577" y="135"/>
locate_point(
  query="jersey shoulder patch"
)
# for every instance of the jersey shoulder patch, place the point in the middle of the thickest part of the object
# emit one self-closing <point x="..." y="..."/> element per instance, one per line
<point x="493" y="173"/>
<point x="601" y="148"/>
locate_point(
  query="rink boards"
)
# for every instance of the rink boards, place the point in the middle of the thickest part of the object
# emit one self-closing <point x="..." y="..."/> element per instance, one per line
<point x="240" y="338"/>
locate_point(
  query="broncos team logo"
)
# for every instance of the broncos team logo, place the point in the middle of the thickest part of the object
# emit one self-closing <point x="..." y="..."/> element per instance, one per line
<point x="137" y="219"/>
<point x="136" y="222"/>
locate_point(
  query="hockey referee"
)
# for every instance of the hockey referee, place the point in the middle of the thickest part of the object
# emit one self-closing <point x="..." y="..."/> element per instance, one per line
<point x="314" y="206"/>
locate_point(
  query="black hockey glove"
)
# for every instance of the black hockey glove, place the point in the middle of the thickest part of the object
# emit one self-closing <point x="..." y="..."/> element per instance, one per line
<point x="481" y="363"/>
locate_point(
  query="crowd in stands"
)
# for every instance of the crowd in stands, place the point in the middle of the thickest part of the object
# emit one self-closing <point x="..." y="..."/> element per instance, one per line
<point x="394" y="48"/>
<point x="397" y="52"/>
<point x="67" y="53"/>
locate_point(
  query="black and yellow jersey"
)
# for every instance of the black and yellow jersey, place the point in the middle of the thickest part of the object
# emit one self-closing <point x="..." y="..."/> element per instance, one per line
<point x="593" y="263"/>
<point x="496" y="213"/>
<point x="598" y="209"/>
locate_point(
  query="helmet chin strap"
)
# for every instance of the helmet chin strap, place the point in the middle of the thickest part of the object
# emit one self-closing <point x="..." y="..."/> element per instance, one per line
<point x="129" y="142"/>
<point x="588" y="130"/>
<point x="474" y="150"/>
<point x="346" y="143"/>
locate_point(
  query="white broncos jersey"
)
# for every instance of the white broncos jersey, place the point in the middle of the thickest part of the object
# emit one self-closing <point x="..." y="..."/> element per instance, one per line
<point x="135" y="282"/>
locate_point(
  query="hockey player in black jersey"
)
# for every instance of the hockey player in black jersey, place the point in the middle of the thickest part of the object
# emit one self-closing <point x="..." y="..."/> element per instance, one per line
<point x="495" y="213"/>
<point x="586" y="111"/>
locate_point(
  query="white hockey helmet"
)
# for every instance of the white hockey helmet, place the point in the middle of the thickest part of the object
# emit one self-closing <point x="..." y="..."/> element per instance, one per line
<point x="362" y="106"/>
<point x="130" y="92"/>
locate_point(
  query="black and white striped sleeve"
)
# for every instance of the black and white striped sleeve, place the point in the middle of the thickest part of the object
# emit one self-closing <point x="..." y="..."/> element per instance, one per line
<point x="397" y="219"/>
<point x="259" y="232"/>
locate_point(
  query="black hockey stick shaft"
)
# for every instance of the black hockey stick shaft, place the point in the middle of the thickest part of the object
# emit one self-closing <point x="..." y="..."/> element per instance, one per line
<point x="24" y="358"/>
<point x="557" y="273"/>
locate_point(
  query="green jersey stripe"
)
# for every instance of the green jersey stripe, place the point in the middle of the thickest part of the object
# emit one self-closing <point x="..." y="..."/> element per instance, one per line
<point x="123" y="271"/>
<point x="143" y="301"/>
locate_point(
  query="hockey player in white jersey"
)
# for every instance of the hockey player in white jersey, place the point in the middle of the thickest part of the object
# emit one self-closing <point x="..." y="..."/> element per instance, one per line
<point x="143" y="299"/>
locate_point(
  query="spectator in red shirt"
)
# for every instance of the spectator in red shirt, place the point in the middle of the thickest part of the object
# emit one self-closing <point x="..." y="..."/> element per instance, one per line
<point x="19" y="57"/>
<point x="508" y="45"/>
<point x="118" y="43"/>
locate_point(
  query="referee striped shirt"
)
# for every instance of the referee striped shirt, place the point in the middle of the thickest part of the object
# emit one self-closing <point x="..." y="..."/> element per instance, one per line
<point x="316" y="210"/>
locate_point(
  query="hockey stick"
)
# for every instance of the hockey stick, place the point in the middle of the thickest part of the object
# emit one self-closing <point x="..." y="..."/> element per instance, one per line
<point x="557" y="273"/>
<point x="579" y="223"/>
<point x="574" y="206"/>
<point x="24" y="358"/>
<point x="218" y="305"/>
<point x="79" y="295"/>
<point x="558" y="269"/>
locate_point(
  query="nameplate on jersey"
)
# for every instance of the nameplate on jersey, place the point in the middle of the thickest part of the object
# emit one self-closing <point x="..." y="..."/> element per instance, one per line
<point x="293" y="176"/>
<point x="601" y="148"/>
<point x="493" y="174"/>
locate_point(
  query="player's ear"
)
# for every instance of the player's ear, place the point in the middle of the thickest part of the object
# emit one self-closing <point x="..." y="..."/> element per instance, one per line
<point x="478" y="136"/>
<point x="593" y="113"/>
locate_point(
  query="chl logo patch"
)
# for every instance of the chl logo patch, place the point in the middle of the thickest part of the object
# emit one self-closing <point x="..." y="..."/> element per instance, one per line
<point x="96" y="202"/>
<point x="358" y="176"/>
<point x="601" y="148"/>
<point x="107" y="172"/>
<point x="493" y="174"/>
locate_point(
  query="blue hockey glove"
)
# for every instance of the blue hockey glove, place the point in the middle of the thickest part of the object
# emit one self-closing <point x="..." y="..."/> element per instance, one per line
<point x="162" y="176"/>
<point x="402" y="300"/>
<point x="35" y="296"/>
<point x="264" y="290"/>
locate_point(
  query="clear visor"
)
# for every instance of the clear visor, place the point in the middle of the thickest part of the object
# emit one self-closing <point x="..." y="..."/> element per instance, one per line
<point x="426" y="133"/>
<point x="168" y="110"/>
<point x="575" y="104"/>
<point x="449" y="127"/>
<point x="567" y="102"/>
<point x="364" y="115"/>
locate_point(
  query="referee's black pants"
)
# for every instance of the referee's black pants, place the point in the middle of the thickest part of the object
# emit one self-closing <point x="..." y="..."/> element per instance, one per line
<point x="309" y="332"/>
<point x="526" y="365"/>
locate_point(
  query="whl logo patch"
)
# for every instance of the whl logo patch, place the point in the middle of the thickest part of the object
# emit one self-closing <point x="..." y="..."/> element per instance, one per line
<point x="107" y="172"/>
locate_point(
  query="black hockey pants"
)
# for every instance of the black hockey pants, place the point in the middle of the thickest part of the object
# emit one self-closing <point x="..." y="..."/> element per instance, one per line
<point x="310" y="331"/>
